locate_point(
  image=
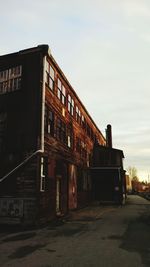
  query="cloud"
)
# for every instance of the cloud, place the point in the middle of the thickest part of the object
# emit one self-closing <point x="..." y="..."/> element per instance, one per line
<point x="145" y="37"/>
<point x="136" y="8"/>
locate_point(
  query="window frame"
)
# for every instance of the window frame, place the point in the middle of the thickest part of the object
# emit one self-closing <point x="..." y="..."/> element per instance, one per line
<point x="78" y="115"/>
<point x="70" y="138"/>
<point x="50" y="76"/>
<point x="71" y="105"/>
<point x="60" y="130"/>
<point x="49" y="121"/>
<point x="10" y="79"/>
<point x="61" y="91"/>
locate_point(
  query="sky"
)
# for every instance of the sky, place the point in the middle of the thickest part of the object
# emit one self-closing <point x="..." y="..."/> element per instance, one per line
<point x="103" y="48"/>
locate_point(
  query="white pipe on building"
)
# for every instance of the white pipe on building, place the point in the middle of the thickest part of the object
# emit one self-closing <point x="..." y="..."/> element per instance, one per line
<point x="43" y="104"/>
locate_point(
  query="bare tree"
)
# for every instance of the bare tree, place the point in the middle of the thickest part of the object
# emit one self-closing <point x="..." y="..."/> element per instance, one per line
<point x="132" y="172"/>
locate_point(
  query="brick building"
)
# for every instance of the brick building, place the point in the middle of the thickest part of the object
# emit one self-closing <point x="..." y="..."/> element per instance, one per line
<point x="46" y="139"/>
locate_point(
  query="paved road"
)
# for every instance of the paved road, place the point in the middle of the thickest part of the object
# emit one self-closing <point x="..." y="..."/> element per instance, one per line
<point x="98" y="236"/>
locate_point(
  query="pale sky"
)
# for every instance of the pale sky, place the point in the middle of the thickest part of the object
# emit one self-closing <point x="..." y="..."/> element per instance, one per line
<point x="103" y="48"/>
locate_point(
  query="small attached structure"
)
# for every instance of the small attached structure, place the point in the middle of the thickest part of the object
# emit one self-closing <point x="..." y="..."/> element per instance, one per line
<point x="108" y="175"/>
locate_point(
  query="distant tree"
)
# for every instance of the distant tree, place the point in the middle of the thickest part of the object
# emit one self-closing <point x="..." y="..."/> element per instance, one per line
<point x="135" y="178"/>
<point x="132" y="173"/>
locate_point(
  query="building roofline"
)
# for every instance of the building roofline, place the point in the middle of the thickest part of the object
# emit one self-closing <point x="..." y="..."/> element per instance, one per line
<point x="75" y="94"/>
<point x="111" y="148"/>
<point x="44" y="48"/>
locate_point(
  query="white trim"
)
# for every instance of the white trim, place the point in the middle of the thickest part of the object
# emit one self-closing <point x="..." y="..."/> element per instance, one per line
<point x="43" y="103"/>
<point x="105" y="168"/>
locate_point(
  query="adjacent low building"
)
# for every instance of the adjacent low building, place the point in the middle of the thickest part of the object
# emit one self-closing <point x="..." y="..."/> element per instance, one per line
<point x="107" y="172"/>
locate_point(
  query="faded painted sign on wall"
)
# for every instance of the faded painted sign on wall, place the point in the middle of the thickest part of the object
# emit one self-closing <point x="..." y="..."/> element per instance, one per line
<point x="11" y="207"/>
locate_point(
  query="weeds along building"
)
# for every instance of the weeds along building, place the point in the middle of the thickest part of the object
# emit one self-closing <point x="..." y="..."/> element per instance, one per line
<point x="46" y="139"/>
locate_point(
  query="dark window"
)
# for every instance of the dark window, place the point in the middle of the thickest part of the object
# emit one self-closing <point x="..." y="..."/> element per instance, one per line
<point x="61" y="131"/>
<point x="10" y="79"/>
<point x="92" y="135"/>
<point x="83" y="150"/>
<point x="88" y="130"/>
<point x="83" y="122"/>
<point x="78" y="115"/>
<point x="79" y="180"/>
<point x="82" y="180"/>
<point x="49" y="121"/>
<point x="78" y="144"/>
<point x="70" y="137"/>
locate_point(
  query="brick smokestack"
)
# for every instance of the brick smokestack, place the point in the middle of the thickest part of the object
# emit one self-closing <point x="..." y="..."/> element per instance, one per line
<point x="109" y="136"/>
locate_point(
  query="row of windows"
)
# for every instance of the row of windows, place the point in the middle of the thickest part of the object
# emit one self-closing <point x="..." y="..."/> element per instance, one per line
<point x="62" y="132"/>
<point x="10" y="85"/>
<point x="10" y="73"/>
<point x="10" y="79"/>
<point x="67" y="100"/>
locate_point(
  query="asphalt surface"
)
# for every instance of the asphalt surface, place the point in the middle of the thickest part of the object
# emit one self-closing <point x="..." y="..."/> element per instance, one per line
<point x="97" y="236"/>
